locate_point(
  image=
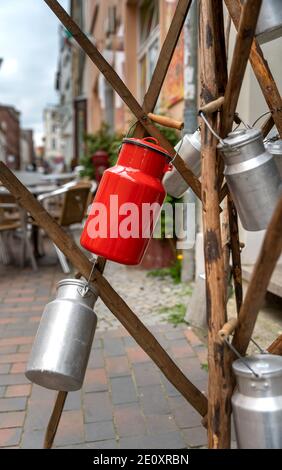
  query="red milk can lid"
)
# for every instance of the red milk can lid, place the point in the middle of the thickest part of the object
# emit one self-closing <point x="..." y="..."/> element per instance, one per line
<point x="147" y="142"/>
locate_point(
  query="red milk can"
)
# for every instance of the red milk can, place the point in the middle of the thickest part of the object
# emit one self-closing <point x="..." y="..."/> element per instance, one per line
<point x="128" y="202"/>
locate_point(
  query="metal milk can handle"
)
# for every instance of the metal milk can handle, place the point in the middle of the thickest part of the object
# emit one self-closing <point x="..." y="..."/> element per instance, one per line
<point x="83" y="291"/>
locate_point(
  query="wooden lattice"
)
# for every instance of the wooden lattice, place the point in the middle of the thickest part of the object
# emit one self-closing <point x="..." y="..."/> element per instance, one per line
<point x="221" y="93"/>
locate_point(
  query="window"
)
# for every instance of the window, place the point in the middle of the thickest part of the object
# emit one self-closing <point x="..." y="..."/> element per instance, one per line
<point x="148" y="50"/>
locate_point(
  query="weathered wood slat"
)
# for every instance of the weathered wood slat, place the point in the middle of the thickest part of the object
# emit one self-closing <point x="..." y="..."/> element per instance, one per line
<point x="118" y="85"/>
<point x="111" y="299"/>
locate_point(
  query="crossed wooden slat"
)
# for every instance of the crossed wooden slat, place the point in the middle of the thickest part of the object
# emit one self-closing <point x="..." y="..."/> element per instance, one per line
<point x="213" y="81"/>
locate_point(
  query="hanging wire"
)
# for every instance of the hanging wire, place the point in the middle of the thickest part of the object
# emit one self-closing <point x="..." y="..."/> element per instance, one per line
<point x="256" y="374"/>
<point x="263" y="351"/>
<point x="247" y="126"/>
<point x="84" y="290"/>
<point x="128" y="132"/>
<point x="263" y="114"/>
<point x="202" y="115"/>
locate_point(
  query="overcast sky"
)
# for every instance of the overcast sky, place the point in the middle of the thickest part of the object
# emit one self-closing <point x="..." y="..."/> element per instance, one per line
<point x="29" y="46"/>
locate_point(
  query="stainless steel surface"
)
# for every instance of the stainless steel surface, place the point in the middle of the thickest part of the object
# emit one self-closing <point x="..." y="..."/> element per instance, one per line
<point x="257" y="403"/>
<point x="62" y="345"/>
<point x="252" y="177"/>
<point x="275" y="148"/>
<point x="190" y="151"/>
<point x="269" y="25"/>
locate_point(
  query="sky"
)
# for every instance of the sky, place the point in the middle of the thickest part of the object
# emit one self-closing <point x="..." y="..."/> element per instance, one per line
<point x="29" y="45"/>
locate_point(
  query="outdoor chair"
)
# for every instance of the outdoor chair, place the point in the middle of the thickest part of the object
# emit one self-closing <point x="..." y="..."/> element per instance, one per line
<point x="75" y="199"/>
<point x="13" y="220"/>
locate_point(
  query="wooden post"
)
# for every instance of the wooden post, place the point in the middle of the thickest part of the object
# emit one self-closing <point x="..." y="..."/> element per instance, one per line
<point x="109" y="296"/>
<point x="218" y="412"/>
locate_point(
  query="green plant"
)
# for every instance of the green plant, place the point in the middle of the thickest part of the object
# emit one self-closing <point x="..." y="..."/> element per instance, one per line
<point x="103" y="139"/>
<point x="176" y="313"/>
<point x="205" y="366"/>
<point x="174" y="271"/>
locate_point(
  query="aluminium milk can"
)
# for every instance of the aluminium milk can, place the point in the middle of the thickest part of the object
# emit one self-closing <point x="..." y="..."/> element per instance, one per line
<point x="275" y="148"/>
<point x="125" y="193"/>
<point x="257" y="402"/>
<point x="269" y="25"/>
<point x="189" y="150"/>
<point x="252" y="177"/>
<point x="62" y="345"/>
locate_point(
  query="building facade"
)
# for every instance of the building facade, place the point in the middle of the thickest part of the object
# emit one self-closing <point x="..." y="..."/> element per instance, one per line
<point x="129" y="34"/>
<point x="10" y="122"/>
<point x="77" y="9"/>
<point x="3" y="142"/>
<point x="64" y="88"/>
<point x="27" y="148"/>
<point x="52" y="135"/>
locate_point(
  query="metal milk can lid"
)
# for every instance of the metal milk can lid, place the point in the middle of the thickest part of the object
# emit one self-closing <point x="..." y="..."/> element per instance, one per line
<point x="79" y="283"/>
<point x="266" y="365"/>
<point x="275" y="147"/>
<point x="149" y="143"/>
<point x="240" y="138"/>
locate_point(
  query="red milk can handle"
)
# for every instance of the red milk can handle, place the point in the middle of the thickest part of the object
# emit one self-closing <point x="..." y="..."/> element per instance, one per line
<point x="152" y="139"/>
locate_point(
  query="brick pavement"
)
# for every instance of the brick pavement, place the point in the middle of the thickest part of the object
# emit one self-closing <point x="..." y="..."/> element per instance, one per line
<point x="126" y="402"/>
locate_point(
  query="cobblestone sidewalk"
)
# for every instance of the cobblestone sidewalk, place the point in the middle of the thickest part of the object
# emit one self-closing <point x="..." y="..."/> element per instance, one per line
<point x="126" y="402"/>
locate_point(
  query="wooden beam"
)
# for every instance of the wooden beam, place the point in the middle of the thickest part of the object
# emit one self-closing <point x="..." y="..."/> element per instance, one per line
<point x="219" y="403"/>
<point x="267" y="126"/>
<point x="111" y="299"/>
<point x="54" y="420"/>
<point x="244" y="40"/>
<point x="276" y="346"/>
<point x="261" y="70"/>
<point x="164" y="60"/>
<point x="118" y="85"/>
<point x="235" y="252"/>
<point x="264" y="267"/>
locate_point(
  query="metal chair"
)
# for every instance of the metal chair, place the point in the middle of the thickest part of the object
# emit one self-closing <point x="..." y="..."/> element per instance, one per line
<point x="76" y="198"/>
